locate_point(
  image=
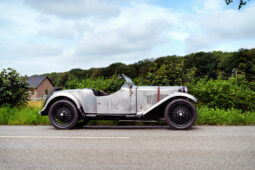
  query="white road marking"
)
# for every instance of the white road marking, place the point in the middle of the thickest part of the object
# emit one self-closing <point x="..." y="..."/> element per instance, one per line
<point x="66" y="137"/>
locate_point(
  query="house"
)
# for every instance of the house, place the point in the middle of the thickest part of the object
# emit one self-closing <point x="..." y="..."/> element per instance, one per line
<point x="41" y="86"/>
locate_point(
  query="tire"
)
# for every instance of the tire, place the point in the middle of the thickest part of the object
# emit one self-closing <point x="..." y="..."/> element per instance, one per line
<point x="180" y="114"/>
<point x="81" y="123"/>
<point x="63" y="114"/>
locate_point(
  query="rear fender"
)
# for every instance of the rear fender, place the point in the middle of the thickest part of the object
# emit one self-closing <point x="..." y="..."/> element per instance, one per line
<point x="171" y="96"/>
<point x="61" y="95"/>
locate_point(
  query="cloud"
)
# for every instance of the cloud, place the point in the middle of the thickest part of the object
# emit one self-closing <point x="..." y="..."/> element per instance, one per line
<point x="230" y="24"/>
<point x="66" y="31"/>
<point x="199" y="41"/>
<point x="218" y="26"/>
<point x="19" y="50"/>
<point x="60" y="32"/>
<point x="212" y="5"/>
<point x="67" y="42"/>
<point x="50" y="35"/>
<point x="128" y="38"/>
<point x="69" y="9"/>
<point x="132" y="35"/>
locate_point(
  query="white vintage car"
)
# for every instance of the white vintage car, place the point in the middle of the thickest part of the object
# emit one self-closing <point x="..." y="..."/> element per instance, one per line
<point x="71" y="108"/>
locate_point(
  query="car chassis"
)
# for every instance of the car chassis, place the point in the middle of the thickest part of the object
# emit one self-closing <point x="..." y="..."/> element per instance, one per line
<point x="74" y="108"/>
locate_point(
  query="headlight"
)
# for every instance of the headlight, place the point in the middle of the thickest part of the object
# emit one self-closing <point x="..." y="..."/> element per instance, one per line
<point x="183" y="89"/>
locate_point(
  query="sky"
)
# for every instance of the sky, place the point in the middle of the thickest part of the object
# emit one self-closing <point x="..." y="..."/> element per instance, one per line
<point x="55" y="36"/>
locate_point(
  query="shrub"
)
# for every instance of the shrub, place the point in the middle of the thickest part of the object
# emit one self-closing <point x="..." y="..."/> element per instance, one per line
<point x="107" y="85"/>
<point x="224" y="94"/>
<point x="13" y="88"/>
<point x="170" y="74"/>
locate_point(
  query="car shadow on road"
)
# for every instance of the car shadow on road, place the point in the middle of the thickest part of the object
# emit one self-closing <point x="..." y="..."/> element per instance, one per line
<point x="132" y="127"/>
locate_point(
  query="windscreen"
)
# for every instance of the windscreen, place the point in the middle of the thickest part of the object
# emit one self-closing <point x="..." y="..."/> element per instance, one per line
<point x="129" y="81"/>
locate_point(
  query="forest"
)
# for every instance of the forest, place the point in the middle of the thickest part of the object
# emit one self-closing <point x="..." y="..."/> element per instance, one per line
<point x="170" y="70"/>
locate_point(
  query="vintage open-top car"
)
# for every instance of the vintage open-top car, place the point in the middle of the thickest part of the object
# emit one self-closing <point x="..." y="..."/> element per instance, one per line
<point x="72" y="108"/>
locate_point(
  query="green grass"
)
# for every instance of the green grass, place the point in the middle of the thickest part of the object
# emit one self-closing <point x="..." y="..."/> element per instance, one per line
<point x="207" y="116"/>
<point x="210" y="116"/>
<point x="22" y="116"/>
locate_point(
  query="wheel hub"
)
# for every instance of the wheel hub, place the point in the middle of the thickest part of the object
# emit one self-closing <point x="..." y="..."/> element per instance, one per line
<point x="62" y="114"/>
<point x="180" y="113"/>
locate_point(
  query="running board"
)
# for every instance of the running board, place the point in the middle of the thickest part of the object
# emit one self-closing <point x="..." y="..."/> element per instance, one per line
<point x="93" y="115"/>
<point x="147" y="121"/>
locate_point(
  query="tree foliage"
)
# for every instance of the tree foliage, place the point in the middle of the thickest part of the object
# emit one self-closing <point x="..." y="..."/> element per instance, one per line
<point x="206" y="64"/>
<point x="170" y="74"/>
<point x="13" y="88"/>
<point x="241" y="3"/>
<point x="213" y="65"/>
<point x="224" y="94"/>
<point x="107" y="85"/>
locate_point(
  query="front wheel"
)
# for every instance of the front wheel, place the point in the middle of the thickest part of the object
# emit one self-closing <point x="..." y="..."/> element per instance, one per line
<point x="180" y="114"/>
<point x="63" y="114"/>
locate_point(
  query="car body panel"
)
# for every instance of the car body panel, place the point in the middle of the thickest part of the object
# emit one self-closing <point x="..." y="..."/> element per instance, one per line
<point x="147" y="96"/>
<point x="120" y="102"/>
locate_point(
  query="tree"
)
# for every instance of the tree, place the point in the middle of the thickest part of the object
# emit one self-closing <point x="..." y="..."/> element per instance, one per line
<point x="241" y="3"/>
<point x="63" y="80"/>
<point x="14" y="88"/>
<point x="216" y="64"/>
<point x="142" y="67"/>
<point x="78" y="73"/>
<point x="165" y="75"/>
<point x="206" y="64"/>
<point x="244" y="62"/>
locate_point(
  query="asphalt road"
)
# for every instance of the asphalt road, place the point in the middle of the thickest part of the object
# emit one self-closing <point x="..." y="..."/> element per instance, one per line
<point x="203" y="147"/>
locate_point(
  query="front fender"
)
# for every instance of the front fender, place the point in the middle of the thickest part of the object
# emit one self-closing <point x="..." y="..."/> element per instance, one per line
<point x="171" y="96"/>
<point x="60" y="94"/>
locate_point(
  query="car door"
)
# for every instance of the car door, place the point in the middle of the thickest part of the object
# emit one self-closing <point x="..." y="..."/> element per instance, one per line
<point x="120" y="102"/>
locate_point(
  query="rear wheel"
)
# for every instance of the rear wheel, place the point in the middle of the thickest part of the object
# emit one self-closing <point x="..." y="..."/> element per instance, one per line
<point x="180" y="114"/>
<point x="63" y="114"/>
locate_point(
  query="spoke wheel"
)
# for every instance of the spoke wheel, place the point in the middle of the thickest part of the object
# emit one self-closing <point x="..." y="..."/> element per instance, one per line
<point x="180" y="114"/>
<point x="63" y="114"/>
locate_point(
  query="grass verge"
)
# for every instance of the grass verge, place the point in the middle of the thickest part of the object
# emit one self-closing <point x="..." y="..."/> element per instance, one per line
<point x="211" y="116"/>
<point x="207" y="116"/>
<point x="22" y="116"/>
